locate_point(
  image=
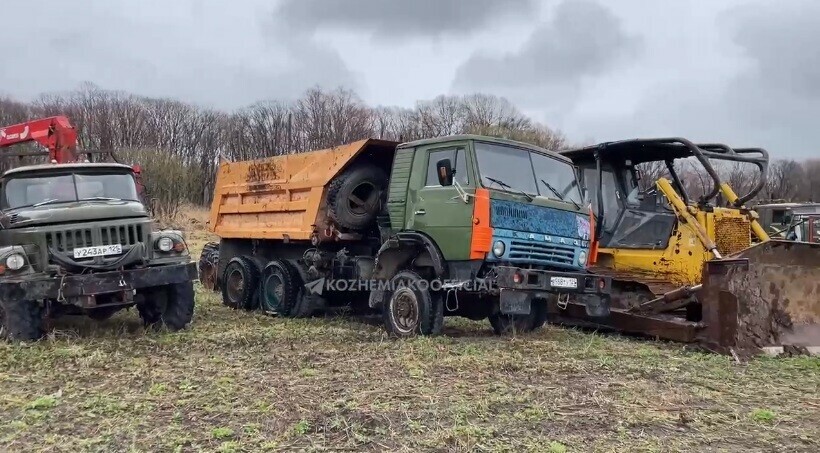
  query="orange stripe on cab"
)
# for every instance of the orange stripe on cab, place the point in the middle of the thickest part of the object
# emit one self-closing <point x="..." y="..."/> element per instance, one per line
<point x="482" y="239"/>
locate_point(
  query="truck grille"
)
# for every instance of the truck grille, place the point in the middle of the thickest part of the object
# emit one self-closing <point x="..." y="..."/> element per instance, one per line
<point x="537" y="251"/>
<point x="68" y="240"/>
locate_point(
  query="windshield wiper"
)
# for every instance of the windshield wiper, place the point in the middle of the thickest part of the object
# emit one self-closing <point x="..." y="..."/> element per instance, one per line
<point x="101" y="198"/>
<point x="558" y="194"/>
<point x="507" y="186"/>
<point x="49" y="201"/>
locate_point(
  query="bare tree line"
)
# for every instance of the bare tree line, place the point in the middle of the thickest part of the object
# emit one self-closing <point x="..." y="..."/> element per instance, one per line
<point x="191" y="139"/>
<point x="179" y="144"/>
<point x="787" y="180"/>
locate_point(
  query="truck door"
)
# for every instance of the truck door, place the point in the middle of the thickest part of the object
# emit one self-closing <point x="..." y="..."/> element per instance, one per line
<point x="439" y="211"/>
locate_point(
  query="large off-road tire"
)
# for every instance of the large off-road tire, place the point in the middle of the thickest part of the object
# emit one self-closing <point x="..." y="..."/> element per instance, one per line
<point x="284" y="292"/>
<point x="240" y="283"/>
<point x="513" y="324"/>
<point x="409" y="309"/>
<point x="208" y="266"/>
<point x="356" y="196"/>
<point x="281" y="287"/>
<point x="169" y="306"/>
<point x="21" y="320"/>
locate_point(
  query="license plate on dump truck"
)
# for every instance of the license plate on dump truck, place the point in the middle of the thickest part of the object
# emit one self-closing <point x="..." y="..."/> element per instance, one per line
<point x="100" y="250"/>
<point x="563" y="282"/>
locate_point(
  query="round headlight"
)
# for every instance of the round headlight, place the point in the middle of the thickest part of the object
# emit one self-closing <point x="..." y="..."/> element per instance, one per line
<point x="582" y="258"/>
<point x="499" y="248"/>
<point x="15" y="261"/>
<point x="165" y="244"/>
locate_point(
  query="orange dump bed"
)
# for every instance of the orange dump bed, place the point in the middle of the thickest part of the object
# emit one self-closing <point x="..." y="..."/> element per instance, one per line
<point x="283" y="197"/>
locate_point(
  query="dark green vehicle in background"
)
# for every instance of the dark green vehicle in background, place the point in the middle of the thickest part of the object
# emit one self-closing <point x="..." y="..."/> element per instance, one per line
<point x="76" y="239"/>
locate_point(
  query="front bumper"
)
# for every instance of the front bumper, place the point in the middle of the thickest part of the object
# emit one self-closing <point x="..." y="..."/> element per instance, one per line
<point x="75" y="287"/>
<point x="516" y="294"/>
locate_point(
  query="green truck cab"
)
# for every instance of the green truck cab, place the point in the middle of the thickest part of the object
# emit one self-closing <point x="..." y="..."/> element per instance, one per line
<point x="76" y="239"/>
<point x="472" y="226"/>
<point x="500" y="222"/>
<point x="791" y="221"/>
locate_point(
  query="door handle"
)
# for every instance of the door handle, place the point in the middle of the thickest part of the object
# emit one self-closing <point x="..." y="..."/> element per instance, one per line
<point x="420" y="212"/>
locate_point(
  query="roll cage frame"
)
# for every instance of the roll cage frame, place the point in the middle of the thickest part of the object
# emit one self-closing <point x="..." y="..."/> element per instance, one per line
<point x="666" y="150"/>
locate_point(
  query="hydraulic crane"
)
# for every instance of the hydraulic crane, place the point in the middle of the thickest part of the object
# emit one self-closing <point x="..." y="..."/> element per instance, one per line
<point x="58" y="136"/>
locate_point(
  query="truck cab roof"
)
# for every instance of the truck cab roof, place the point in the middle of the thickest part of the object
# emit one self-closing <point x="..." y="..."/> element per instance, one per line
<point x="486" y="139"/>
<point x="67" y="167"/>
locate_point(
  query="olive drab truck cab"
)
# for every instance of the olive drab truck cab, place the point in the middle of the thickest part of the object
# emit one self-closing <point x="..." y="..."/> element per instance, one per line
<point x="76" y="239"/>
<point x="465" y="225"/>
<point x="791" y="221"/>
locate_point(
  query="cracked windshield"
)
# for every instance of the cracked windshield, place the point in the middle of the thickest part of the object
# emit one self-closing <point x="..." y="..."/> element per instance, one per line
<point x="511" y="169"/>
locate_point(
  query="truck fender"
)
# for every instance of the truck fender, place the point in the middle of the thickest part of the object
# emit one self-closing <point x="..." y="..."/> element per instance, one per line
<point x="397" y="251"/>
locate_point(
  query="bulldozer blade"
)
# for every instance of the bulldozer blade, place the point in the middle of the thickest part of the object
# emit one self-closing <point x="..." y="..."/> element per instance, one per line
<point x="763" y="298"/>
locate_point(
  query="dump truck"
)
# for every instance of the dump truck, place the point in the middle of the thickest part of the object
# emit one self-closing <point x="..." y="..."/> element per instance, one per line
<point x="791" y="221"/>
<point x="694" y="270"/>
<point x="75" y="239"/>
<point x="460" y="227"/>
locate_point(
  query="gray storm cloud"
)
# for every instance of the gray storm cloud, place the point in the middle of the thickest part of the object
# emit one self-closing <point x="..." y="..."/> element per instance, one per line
<point x="209" y="53"/>
<point x="581" y="39"/>
<point x="402" y="19"/>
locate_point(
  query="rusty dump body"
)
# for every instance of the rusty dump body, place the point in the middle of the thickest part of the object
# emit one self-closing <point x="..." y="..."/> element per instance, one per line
<point x="282" y="197"/>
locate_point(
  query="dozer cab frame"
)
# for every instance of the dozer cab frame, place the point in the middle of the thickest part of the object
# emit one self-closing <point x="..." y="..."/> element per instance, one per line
<point x="685" y="269"/>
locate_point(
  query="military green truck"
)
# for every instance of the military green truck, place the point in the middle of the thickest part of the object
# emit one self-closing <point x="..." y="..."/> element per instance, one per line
<point x="76" y="239"/>
<point x="791" y="221"/>
<point x="471" y="226"/>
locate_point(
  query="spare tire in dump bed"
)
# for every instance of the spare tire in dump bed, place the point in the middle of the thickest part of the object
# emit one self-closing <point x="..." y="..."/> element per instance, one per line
<point x="355" y="197"/>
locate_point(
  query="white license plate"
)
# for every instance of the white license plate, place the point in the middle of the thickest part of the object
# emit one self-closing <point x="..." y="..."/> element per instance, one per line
<point x="100" y="250"/>
<point x="564" y="282"/>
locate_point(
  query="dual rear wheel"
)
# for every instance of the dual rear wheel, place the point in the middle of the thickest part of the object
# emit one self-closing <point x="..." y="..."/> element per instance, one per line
<point x="277" y="289"/>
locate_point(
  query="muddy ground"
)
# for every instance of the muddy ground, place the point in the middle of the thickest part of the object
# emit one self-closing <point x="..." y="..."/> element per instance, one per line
<point x="238" y="381"/>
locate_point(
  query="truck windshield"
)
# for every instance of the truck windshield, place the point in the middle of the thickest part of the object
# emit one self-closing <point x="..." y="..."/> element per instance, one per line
<point x="517" y="169"/>
<point x="47" y="189"/>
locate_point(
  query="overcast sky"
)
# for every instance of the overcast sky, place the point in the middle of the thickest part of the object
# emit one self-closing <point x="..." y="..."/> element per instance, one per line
<point x="746" y="72"/>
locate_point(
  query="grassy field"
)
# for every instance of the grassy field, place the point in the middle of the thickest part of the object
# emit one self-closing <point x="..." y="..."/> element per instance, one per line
<point x="238" y="381"/>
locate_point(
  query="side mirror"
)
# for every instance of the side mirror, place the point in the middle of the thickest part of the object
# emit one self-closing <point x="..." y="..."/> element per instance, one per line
<point x="445" y="172"/>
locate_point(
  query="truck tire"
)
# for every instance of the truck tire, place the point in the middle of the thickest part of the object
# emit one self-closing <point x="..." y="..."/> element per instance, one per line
<point x="409" y="309"/>
<point x="21" y="320"/>
<point x="208" y="266"/>
<point x="170" y="306"/>
<point x="355" y="197"/>
<point x="284" y="292"/>
<point x="281" y="287"/>
<point x="512" y="324"/>
<point x="240" y="283"/>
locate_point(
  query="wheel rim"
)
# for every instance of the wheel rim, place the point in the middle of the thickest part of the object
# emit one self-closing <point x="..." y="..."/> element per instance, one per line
<point x="274" y="292"/>
<point x="363" y="199"/>
<point x="404" y="309"/>
<point x="235" y="285"/>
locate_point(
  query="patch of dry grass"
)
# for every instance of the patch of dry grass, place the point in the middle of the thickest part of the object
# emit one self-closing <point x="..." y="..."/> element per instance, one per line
<point x="238" y="381"/>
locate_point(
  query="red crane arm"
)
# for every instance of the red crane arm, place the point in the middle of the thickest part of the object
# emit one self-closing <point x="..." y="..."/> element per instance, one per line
<point x="55" y="134"/>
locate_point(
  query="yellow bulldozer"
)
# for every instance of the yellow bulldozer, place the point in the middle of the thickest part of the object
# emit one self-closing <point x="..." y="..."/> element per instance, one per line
<point x="693" y="270"/>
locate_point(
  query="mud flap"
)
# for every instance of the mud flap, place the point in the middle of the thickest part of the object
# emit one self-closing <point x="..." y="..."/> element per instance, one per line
<point x="512" y="302"/>
<point x="767" y="296"/>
